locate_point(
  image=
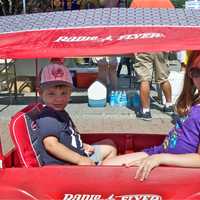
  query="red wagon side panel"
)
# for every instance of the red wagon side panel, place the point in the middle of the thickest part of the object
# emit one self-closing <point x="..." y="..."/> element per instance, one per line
<point x="94" y="183"/>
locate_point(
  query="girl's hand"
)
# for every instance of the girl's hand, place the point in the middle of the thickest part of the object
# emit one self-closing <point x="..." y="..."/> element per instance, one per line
<point x="146" y="165"/>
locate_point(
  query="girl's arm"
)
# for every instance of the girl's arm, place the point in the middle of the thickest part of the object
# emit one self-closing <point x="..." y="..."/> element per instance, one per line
<point x="182" y="160"/>
<point x="54" y="147"/>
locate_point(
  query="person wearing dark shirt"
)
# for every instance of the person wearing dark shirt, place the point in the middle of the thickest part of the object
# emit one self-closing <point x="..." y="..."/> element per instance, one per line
<point x="60" y="141"/>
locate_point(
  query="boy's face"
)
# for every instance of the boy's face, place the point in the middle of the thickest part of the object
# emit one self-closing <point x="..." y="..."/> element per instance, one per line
<point x="56" y="97"/>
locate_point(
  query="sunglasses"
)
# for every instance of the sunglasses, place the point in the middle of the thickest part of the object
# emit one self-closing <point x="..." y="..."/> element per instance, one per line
<point x="195" y="73"/>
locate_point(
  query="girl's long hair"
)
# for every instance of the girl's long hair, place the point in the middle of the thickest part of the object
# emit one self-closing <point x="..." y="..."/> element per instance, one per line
<point x="189" y="96"/>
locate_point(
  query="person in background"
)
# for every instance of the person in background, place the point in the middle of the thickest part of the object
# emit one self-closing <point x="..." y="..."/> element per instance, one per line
<point x="107" y="70"/>
<point x="91" y="4"/>
<point x="181" y="146"/>
<point x="182" y="57"/>
<point x="109" y="4"/>
<point x="145" y="65"/>
<point x="35" y="6"/>
<point x="60" y="141"/>
<point x="125" y="60"/>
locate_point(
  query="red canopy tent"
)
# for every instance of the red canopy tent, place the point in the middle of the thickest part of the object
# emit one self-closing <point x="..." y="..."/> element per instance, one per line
<point x="95" y="32"/>
<point x="151" y="4"/>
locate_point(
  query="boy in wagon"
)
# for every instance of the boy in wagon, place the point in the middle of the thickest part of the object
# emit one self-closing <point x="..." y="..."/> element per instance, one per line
<point x="60" y="141"/>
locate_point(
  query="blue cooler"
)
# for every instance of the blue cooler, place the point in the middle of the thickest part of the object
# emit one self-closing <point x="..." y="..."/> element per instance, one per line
<point x="97" y="95"/>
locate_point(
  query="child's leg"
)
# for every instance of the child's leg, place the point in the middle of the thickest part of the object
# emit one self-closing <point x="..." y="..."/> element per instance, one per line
<point x="106" y="149"/>
<point x="125" y="159"/>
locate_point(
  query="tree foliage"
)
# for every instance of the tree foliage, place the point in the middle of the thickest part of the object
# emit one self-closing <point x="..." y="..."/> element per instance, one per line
<point x="179" y="3"/>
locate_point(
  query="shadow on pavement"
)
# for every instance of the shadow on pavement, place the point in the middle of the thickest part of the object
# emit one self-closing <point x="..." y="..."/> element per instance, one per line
<point x="25" y="100"/>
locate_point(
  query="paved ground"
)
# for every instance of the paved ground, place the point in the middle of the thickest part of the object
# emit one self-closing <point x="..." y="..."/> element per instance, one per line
<point x="93" y="120"/>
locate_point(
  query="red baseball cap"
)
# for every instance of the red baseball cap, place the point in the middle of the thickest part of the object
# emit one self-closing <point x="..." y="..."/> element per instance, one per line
<point x="55" y="74"/>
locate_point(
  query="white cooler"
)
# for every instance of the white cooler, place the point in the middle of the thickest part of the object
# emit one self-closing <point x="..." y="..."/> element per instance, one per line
<point x="97" y="94"/>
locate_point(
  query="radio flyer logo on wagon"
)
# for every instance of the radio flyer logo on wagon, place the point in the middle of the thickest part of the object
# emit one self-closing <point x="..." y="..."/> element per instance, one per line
<point x="112" y="197"/>
<point x="126" y="37"/>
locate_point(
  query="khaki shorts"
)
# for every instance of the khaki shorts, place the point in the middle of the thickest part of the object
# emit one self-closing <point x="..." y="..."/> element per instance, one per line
<point x="96" y="156"/>
<point x="148" y="63"/>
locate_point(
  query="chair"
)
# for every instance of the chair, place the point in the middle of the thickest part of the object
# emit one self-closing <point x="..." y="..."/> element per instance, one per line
<point x="24" y="131"/>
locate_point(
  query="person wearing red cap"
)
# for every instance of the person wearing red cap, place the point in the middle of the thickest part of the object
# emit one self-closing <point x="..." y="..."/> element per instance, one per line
<point x="181" y="146"/>
<point x="59" y="139"/>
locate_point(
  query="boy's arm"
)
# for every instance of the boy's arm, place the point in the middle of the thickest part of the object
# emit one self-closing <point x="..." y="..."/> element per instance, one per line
<point x="88" y="147"/>
<point x="53" y="146"/>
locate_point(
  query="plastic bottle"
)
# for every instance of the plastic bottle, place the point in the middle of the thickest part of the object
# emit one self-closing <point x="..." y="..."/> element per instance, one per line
<point x="117" y="97"/>
<point x="124" y="99"/>
<point x="120" y="98"/>
<point x="112" y="98"/>
<point x="115" y="102"/>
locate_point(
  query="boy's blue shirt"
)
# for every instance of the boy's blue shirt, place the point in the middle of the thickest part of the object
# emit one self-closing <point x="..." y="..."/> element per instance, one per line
<point x="58" y="124"/>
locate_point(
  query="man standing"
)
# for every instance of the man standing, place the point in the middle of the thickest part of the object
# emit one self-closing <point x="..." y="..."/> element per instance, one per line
<point x="147" y="64"/>
<point x="107" y="70"/>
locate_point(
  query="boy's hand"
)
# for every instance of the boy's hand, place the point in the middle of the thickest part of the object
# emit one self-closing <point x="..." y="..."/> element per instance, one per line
<point x="88" y="149"/>
<point x="83" y="160"/>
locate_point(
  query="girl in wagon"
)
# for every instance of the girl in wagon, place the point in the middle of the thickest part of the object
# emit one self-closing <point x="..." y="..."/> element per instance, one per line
<point x="182" y="145"/>
<point x="60" y="142"/>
